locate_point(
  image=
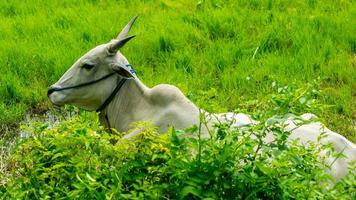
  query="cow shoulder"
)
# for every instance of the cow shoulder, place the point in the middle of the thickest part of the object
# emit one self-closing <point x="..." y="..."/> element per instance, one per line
<point x="172" y="107"/>
<point x="165" y="94"/>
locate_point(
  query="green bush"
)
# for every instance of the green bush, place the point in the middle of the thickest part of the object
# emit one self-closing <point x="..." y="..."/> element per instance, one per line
<point x="77" y="159"/>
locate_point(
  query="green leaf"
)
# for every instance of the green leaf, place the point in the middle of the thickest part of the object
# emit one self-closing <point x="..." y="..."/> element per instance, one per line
<point x="189" y="190"/>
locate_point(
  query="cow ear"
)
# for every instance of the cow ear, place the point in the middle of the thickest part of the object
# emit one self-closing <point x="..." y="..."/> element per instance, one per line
<point x="125" y="71"/>
<point x="115" y="45"/>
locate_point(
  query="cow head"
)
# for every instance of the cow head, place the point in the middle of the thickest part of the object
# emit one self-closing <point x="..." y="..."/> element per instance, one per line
<point x="93" y="77"/>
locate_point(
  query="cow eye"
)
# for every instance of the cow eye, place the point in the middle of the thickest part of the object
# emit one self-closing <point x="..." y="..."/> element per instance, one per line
<point x="88" y="66"/>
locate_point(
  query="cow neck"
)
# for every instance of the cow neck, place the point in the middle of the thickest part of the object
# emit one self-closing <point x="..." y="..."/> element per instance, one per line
<point x="120" y="111"/>
<point x="108" y="100"/>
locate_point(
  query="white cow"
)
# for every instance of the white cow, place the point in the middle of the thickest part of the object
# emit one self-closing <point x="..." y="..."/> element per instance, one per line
<point x="103" y="80"/>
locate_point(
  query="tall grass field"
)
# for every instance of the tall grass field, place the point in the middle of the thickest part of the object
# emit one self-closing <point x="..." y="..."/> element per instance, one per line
<point x="262" y="57"/>
<point x="234" y="49"/>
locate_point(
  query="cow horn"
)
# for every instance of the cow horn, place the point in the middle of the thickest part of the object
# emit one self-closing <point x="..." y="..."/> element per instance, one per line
<point x="117" y="44"/>
<point x="126" y="29"/>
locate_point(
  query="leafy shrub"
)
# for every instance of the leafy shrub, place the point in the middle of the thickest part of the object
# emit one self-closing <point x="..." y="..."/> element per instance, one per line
<point x="77" y="159"/>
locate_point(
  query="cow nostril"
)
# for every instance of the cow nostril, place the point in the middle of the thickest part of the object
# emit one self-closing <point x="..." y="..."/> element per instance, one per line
<point x="50" y="90"/>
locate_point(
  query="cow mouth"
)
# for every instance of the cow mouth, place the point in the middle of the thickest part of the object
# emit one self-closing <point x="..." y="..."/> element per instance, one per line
<point x="56" y="105"/>
<point x="55" y="98"/>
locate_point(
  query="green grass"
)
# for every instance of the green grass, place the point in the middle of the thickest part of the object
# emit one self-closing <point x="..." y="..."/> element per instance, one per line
<point x="238" y="48"/>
